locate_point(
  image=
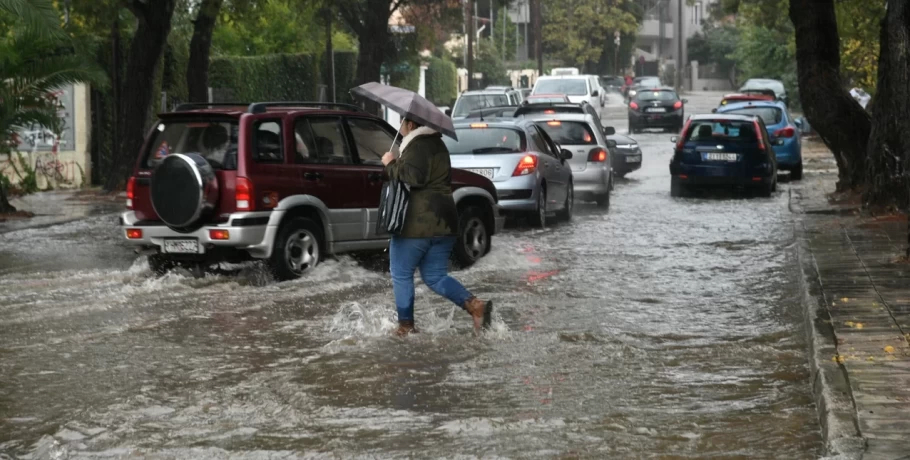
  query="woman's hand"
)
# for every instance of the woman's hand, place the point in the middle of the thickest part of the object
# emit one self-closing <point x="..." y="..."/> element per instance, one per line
<point x="388" y="158"/>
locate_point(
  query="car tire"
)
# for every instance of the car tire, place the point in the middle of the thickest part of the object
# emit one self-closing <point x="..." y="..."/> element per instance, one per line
<point x="797" y="172"/>
<point x="474" y="238"/>
<point x="298" y="248"/>
<point x="566" y="213"/>
<point x="677" y="189"/>
<point x="539" y="216"/>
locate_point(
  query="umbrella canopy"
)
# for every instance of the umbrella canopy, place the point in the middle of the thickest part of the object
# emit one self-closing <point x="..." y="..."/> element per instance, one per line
<point x="409" y="105"/>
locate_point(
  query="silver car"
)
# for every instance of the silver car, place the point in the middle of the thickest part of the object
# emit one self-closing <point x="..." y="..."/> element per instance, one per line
<point x="531" y="173"/>
<point x="577" y="128"/>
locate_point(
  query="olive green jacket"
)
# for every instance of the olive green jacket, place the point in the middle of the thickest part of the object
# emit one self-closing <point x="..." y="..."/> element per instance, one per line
<point x="425" y="166"/>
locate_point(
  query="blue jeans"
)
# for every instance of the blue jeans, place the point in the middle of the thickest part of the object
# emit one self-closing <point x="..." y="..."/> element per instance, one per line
<point x="431" y="255"/>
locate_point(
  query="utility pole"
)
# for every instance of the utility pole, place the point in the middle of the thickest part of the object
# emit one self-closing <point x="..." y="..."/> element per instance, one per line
<point x="680" y="66"/>
<point x="616" y="43"/>
<point x="538" y="34"/>
<point x="469" y="18"/>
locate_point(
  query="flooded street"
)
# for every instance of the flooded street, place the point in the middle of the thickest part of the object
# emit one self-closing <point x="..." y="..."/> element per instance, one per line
<point x="664" y="328"/>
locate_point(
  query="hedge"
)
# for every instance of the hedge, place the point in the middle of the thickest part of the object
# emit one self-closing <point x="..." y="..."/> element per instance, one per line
<point x="442" y="82"/>
<point x="277" y="77"/>
<point x="345" y="74"/>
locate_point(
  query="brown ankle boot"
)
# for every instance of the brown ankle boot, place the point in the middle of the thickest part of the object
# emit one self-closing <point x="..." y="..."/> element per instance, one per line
<point x="405" y="328"/>
<point x="481" y="311"/>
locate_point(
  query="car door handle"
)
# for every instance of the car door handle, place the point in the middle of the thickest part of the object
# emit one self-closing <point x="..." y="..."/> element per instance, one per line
<point x="312" y="176"/>
<point x="374" y="177"/>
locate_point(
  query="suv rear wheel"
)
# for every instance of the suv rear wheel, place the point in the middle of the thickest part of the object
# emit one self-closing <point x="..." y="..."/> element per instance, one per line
<point x="298" y="248"/>
<point x="473" y="237"/>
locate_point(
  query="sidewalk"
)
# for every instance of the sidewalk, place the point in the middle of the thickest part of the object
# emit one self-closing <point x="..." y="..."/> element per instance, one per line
<point x="59" y="207"/>
<point x="858" y="317"/>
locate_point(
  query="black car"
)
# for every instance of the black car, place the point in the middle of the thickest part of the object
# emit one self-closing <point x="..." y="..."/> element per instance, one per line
<point x="626" y="154"/>
<point x="656" y="108"/>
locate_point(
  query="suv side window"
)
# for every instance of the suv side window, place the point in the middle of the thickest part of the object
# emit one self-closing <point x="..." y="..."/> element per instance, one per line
<point x="321" y="140"/>
<point x="267" y="143"/>
<point x="371" y="140"/>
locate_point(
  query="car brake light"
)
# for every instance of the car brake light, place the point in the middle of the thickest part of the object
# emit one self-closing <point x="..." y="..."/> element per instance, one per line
<point x="761" y="145"/>
<point x="549" y="111"/>
<point x="219" y="234"/>
<point x="478" y="125"/>
<point x="785" y="132"/>
<point x="130" y="192"/>
<point x="677" y="105"/>
<point x="633" y="106"/>
<point x="682" y="136"/>
<point x="597" y="155"/>
<point x="527" y="165"/>
<point x="134" y="233"/>
<point x="554" y="123"/>
<point x="243" y="194"/>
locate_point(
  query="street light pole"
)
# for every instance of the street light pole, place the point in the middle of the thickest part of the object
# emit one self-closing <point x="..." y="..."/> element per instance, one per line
<point x="679" y="45"/>
<point x="469" y="18"/>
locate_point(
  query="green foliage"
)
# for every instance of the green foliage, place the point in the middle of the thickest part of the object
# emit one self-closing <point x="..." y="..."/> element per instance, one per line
<point x="715" y="44"/>
<point x="345" y="75"/>
<point x="577" y="30"/>
<point x="442" y="82"/>
<point x="28" y="176"/>
<point x="278" y="77"/>
<point x="858" y="27"/>
<point x="490" y="64"/>
<point x="406" y="76"/>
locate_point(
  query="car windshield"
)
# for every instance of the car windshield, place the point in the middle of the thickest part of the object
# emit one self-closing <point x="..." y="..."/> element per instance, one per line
<point x="722" y="131"/>
<point x="216" y="141"/>
<point x="775" y="86"/>
<point x="616" y="81"/>
<point x="471" y="102"/>
<point x="662" y="96"/>
<point x="569" y="132"/>
<point x="567" y="86"/>
<point x="483" y="140"/>
<point x="770" y="115"/>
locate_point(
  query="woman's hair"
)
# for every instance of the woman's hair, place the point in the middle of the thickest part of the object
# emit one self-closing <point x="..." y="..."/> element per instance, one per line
<point x="416" y="124"/>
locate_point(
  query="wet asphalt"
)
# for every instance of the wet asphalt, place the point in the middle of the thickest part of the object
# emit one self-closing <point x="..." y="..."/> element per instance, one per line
<point x="662" y="328"/>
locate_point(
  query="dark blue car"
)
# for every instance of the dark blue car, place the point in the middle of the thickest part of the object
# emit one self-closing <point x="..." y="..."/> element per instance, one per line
<point x="723" y="151"/>
<point x="783" y="129"/>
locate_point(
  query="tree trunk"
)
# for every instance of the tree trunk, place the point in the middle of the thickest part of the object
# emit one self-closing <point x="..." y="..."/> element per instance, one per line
<point x="197" y="69"/>
<point x="138" y="90"/>
<point x="329" y="56"/>
<point x="838" y="119"/>
<point x="889" y="147"/>
<point x="469" y="36"/>
<point x="373" y="42"/>
<point x="5" y="207"/>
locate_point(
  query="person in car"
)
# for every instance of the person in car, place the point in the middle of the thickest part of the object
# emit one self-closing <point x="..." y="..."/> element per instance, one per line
<point x="215" y="142"/>
<point x="430" y="226"/>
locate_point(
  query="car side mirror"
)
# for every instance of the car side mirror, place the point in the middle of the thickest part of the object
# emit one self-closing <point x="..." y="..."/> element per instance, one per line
<point x="595" y="93"/>
<point x="609" y="131"/>
<point x="674" y="139"/>
<point x="566" y="155"/>
<point x="611" y="143"/>
<point x="714" y="110"/>
<point x="448" y="112"/>
<point x="798" y="122"/>
<point x="685" y="101"/>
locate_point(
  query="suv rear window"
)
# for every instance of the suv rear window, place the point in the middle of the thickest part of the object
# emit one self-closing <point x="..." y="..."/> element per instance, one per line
<point x="216" y="141"/>
<point x="567" y="86"/>
<point x="569" y="132"/>
<point x="723" y="131"/>
<point x="486" y="141"/>
<point x="770" y="115"/>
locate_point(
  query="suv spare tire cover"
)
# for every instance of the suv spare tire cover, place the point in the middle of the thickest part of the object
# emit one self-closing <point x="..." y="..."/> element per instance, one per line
<point x="184" y="191"/>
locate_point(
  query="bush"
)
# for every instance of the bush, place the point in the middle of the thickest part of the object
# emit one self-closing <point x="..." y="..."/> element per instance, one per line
<point x="442" y="82"/>
<point x="277" y="77"/>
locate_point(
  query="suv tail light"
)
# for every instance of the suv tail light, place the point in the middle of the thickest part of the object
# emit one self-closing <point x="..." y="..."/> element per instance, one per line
<point x="633" y="105"/>
<point x="785" y="132"/>
<point x="597" y="155"/>
<point x="527" y="165"/>
<point x="758" y="134"/>
<point x="678" y="105"/>
<point x="243" y="194"/>
<point x="130" y="192"/>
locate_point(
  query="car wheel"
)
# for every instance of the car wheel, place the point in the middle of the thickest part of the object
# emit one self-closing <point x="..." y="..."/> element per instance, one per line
<point x="539" y="217"/>
<point x="677" y="189"/>
<point x="473" y="237"/>
<point x="568" y="207"/>
<point x="797" y="172"/>
<point x="603" y="200"/>
<point x="298" y="248"/>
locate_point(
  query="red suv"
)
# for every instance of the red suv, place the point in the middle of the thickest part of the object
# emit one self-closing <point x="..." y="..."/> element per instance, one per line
<point x="284" y="182"/>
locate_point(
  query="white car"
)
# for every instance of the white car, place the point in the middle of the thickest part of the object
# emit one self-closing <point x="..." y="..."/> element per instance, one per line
<point x="578" y="88"/>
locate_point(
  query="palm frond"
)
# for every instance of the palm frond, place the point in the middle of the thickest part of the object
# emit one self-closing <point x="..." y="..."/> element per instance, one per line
<point x="38" y="16"/>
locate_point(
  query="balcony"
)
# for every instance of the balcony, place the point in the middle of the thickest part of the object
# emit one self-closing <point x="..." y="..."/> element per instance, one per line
<point x="650" y="28"/>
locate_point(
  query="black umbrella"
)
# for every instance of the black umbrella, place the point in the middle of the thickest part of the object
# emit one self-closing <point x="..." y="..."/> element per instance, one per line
<point x="409" y="105"/>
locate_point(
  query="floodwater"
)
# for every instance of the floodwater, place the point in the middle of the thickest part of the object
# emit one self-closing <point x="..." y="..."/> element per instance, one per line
<point x="664" y="328"/>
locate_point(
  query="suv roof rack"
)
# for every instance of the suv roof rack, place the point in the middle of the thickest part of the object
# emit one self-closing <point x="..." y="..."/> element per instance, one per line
<point x="202" y="105"/>
<point x="260" y="107"/>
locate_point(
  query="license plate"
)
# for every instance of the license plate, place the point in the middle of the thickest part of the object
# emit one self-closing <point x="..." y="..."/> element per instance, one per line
<point x="633" y="159"/>
<point x="181" y="246"/>
<point x="721" y="156"/>
<point x="657" y="109"/>
<point x="487" y="172"/>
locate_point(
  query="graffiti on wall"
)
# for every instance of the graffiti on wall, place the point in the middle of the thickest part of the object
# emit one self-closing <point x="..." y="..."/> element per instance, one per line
<point x="37" y="138"/>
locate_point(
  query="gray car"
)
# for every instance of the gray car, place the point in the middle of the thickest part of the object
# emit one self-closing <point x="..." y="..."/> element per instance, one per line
<point x="531" y="173"/>
<point x="578" y="129"/>
<point x="626" y="154"/>
<point x="469" y="101"/>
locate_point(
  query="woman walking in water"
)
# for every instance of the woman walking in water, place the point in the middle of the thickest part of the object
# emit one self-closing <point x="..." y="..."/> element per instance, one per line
<point x="430" y="226"/>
